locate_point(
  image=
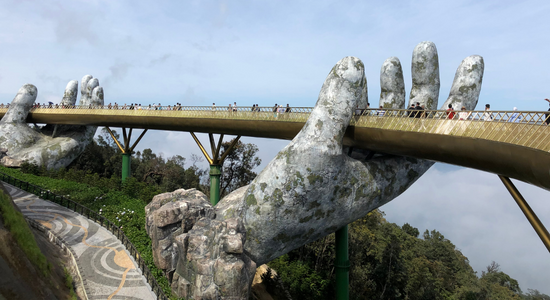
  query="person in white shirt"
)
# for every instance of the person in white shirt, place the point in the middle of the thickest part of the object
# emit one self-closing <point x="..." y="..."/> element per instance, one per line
<point x="463" y="114"/>
<point x="487" y="116"/>
<point x="515" y="117"/>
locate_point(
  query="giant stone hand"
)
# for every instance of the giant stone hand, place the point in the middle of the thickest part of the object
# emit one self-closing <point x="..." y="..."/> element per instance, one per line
<point x="312" y="187"/>
<point x="38" y="146"/>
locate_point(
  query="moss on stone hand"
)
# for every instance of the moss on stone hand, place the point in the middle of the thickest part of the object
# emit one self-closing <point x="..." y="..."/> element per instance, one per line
<point x="251" y="200"/>
<point x="314" y="178"/>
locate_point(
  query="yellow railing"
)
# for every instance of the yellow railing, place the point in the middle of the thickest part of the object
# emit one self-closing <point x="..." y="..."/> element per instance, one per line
<point x="296" y="114"/>
<point x="525" y="128"/>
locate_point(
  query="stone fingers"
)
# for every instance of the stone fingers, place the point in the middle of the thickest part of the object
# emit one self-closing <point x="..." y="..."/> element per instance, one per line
<point x="87" y="93"/>
<point x="425" y="75"/>
<point x="466" y="84"/>
<point x="21" y="105"/>
<point x="72" y="140"/>
<point x="392" y="84"/>
<point x="97" y="96"/>
<point x="91" y="92"/>
<point x="84" y="95"/>
<point x="71" y="91"/>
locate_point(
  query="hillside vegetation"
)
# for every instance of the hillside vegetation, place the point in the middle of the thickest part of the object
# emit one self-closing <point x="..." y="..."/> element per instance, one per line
<point x="387" y="261"/>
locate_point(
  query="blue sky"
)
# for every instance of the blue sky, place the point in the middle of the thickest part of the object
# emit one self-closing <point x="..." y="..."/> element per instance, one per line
<point x="267" y="52"/>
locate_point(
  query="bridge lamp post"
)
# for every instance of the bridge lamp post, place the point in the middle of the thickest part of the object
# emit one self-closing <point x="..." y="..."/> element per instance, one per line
<point x="216" y="163"/>
<point x="126" y="150"/>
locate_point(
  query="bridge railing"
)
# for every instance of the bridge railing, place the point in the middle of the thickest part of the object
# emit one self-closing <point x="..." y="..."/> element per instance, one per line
<point x="291" y="114"/>
<point x="295" y="113"/>
<point x="263" y="112"/>
<point x="92" y="215"/>
<point x="218" y="109"/>
<point x="527" y="128"/>
<point x="532" y="117"/>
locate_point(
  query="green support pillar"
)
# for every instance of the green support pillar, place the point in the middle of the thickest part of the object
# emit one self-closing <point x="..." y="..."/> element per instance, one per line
<point x="126" y="150"/>
<point x="126" y="166"/>
<point x="215" y="173"/>
<point x="216" y="163"/>
<point x="342" y="264"/>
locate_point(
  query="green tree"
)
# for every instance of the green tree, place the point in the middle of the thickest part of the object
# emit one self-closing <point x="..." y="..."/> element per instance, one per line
<point x="493" y="275"/>
<point x="238" y="166"/>
<point x="101" y="156"/>
<point x="410" y="230"/>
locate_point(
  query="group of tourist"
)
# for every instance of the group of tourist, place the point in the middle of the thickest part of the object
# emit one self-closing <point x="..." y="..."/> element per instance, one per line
<point x="414" y="111"/>
<point x="132" y="106"/>
<point x="417" y="111"/>
<point x="256" y="108"/>
<point x="136" y="106"/>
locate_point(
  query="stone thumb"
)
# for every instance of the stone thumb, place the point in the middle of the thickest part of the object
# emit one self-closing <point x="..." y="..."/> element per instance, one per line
<point x="343" y="88"/>
<point x="21" y="105"/>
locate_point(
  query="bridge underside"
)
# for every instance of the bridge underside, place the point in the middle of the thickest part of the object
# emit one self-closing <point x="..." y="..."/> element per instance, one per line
<point x="509" y="160"/>
<point x="506" y="159"/>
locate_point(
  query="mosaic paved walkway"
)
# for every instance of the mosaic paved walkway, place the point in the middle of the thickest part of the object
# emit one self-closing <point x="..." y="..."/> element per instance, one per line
<point x="107" y="269"/>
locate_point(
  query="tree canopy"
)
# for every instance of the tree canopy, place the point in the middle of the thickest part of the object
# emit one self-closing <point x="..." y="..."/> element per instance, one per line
<point x="392" y="262"/>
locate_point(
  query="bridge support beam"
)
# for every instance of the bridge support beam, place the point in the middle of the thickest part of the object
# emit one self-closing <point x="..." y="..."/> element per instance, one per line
<point x="126" y="150"/>
<point x="527" y="211"/>
<point x="126" y="165"/>
<point x="216" y="163"/>
<point x="341" y="264"/>
<point x="215" y="174"/>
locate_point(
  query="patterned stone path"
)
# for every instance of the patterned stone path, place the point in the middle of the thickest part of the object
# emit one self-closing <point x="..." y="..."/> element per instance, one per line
<point x="107" y="269"/>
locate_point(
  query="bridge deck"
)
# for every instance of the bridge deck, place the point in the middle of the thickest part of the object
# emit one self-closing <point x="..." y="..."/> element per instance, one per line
<point x="512" y="144"/>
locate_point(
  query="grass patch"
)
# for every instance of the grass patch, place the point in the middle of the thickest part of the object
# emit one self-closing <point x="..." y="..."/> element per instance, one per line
<point x="69" y="284"/>
<point x="19" y="229"/>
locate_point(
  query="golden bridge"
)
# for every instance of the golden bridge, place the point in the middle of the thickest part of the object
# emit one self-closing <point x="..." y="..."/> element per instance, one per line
<point x="511" y="144"/>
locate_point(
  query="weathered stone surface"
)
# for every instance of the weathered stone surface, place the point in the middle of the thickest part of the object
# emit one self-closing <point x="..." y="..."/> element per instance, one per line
<point x="168" y="216"/>
<point x="233" y="243"/>
<point x="392" y="84"/>
<point x="207" y="257"/>
<point x="38" y="145"/>
<point x="10" y="162"/>
<point x="71" y="91"/>
<point x="466" y="84"/>
<point x="425" y="75"/>
<point x="180" y="286"/>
